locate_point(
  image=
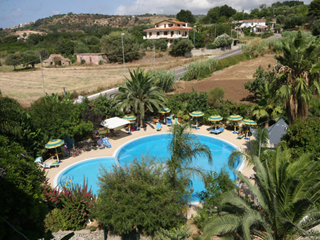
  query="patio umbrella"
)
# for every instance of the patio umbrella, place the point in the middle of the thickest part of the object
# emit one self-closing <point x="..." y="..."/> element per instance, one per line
<point x="129" y="118"/>
<point x="196" y="114"/>
<point x="164" y="111"/>
<point x="235" y="118"/>
<point x="248" y="122"/>
<point x="215" y="118"/>
<point x="54" y="144"/>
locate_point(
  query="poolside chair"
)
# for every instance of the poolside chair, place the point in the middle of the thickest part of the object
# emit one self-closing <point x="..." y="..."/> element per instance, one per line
<point x="158" y="127"/>
<point x="106" y="142"/>
<point x="217" y="130"/>
<point x="241" y="136"/>
<point x="169" y="122"/>
<point x="46" y="165"/>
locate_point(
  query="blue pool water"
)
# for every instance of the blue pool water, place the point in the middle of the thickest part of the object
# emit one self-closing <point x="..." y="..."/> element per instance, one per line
<point x="155" y="145"/>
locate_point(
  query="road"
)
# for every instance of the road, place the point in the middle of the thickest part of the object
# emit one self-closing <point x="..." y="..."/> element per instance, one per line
<point x="179" y="72"/>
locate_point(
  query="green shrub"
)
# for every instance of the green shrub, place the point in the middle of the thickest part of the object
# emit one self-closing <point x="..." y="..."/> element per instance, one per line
<point x="83" y="61"/>
<point x="211" y="46"/>
<point x="229" y="61"/>
<point x="164" y="80"/>
<point x="100" y="62"/>
<point x="73" y="207"/>
<point x="214" y="95"/>
<point x="180" y="46"/>
<point x="200" y="70"/>
<point x="256" y="48"/>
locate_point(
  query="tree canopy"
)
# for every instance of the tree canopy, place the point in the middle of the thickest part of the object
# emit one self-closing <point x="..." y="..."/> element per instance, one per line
<point x="186" y="16"/>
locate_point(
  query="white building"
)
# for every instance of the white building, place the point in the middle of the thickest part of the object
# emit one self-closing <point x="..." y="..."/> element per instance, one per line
<point x="257" y="25"/>
<point x="168" y="30"/>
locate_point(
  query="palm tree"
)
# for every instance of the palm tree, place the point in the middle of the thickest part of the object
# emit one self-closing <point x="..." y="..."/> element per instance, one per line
<point x="184" y="147"/>
<point x="298" y="75"/>
<point x="268" y="106"/>
<point x="285" y="193"/>
<point x="141" y="94"/>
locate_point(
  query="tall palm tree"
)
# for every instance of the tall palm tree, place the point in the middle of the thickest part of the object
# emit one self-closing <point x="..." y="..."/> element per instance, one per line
<point x="184" y="147"/>
<point x="298" y="75"/>
<point x="285" y="193"/>
<point x="268" y="106"/>
<point x="141" y="94"/>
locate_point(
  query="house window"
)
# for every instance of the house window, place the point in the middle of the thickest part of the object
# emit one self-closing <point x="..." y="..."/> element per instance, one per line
<point x="183" y="25"/>
<point x="158" y="33"/>
<point x="165" y="25"/>
<point x="150" y="34"/>
<point x="165" y="33"/>
<point x="178" y="25"/>
<point x="90" y="59"/>
<point x="179" y="32"/>
<point x="80" y="59"/>
<point x="170" y="25"/>
<point x="172" y="33"/>
<point x="156" y="26"/>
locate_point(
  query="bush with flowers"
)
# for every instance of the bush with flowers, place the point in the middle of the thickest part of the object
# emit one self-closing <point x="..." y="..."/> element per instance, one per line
<point x="73" y="205"/>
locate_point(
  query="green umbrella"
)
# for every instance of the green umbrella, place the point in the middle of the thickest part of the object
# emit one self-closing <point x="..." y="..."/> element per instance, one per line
<point x="129" y="117"/>
<point x="215" y="118"/>
<point x="54" y="143"/>
<point x="164" y="111"/>
<point x="235" y="118"/>
<point x="196" y="114"/>
<point x="250" y="123"/>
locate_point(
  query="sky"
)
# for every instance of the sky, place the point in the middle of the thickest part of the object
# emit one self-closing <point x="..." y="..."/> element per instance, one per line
<point x="14" y="12"/>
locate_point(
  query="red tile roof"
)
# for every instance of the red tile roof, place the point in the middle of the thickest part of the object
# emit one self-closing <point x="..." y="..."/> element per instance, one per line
<point x="168" y="29"/>
<point x="172" y="21"/>
<point x="255" y="20"/>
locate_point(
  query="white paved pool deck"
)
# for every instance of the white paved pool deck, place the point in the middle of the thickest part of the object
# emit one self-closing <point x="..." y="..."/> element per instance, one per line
<point x="116" y="142"/>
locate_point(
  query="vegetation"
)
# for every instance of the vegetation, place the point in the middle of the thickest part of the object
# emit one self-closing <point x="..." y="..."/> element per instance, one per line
<point x="284" y="203"/>
<point x="22" y="193"/>
<point x="186" y="16"/>
<point x="180" y="46"/>
<point x="112" y="45"/>
<point x="140" y="95"/>
<point x="138" y="198"/>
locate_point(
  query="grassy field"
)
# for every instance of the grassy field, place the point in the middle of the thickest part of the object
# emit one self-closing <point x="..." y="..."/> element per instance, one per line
<point x="26" y="85"/>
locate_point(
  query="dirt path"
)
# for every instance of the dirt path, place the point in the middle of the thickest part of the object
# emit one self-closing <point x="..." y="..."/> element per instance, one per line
<point x="231" y="79"/>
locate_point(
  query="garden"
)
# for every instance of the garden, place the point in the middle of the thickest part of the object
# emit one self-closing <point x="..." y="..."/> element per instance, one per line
<point x="141" y="197"/>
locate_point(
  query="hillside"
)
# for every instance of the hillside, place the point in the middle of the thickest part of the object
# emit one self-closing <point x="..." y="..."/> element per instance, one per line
<point x="85" y="22"/>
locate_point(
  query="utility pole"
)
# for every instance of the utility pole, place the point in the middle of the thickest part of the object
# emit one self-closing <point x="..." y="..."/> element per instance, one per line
<point x="215" y="31"/>
<point x="194" y="43"/>
<point x="124" y="62"/>
<point x="44" y="93"/>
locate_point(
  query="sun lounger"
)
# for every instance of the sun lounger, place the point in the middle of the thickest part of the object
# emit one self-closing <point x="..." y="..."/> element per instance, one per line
<point x="169" y="123"/>
<point x="46" y="165"/>
<point x="158" y="127"/>
<point x="195" y="126"/>
<point x="100" y="143"/>
<point x="106" y="142"/>
<point x="217" y="130"/>
<point x="241" y="136"/>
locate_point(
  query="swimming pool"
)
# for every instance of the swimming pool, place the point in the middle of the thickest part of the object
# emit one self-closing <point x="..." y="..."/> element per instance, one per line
<point x="154" y="145"/>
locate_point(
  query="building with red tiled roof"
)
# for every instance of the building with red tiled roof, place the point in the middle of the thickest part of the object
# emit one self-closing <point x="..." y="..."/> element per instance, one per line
<point x="168" y="30"/>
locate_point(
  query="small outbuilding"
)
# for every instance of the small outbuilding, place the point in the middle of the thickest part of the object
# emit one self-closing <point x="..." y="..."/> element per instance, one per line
<point x="276" y="131"/>
<point x="94" y="58"/>
<point x="56" y="60"/>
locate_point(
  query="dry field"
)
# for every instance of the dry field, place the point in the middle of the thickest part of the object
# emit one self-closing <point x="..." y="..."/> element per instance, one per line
<point x="26" y="86"/>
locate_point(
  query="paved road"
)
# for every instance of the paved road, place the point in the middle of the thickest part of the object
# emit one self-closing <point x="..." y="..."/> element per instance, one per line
<point x="179" y="72"/>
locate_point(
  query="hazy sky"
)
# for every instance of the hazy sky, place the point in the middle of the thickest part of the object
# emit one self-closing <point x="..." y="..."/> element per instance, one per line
<point x="14" y="12"/>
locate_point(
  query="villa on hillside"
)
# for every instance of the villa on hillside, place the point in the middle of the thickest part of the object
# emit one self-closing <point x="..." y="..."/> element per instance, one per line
<point x="257" y="25"/>
<point x="94" y="58"/>
<point x="168" y="30"/>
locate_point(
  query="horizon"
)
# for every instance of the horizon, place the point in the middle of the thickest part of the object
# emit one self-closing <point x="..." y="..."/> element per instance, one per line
<point x="20" y="11"/>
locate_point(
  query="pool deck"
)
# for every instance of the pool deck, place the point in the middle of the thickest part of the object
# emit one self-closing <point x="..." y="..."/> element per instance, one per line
<point x="116" y="142"/>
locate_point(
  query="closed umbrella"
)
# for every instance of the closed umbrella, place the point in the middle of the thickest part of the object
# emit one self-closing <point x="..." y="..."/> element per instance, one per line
<point x="248" y="122"/>
<point x="54" y="144"/>
<point x="129" y="118"/>
<point x="164" y="111"/>
<point x="235" y="118"/>
<point x="196" y="114"/>
<point x="215" y="118"/>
